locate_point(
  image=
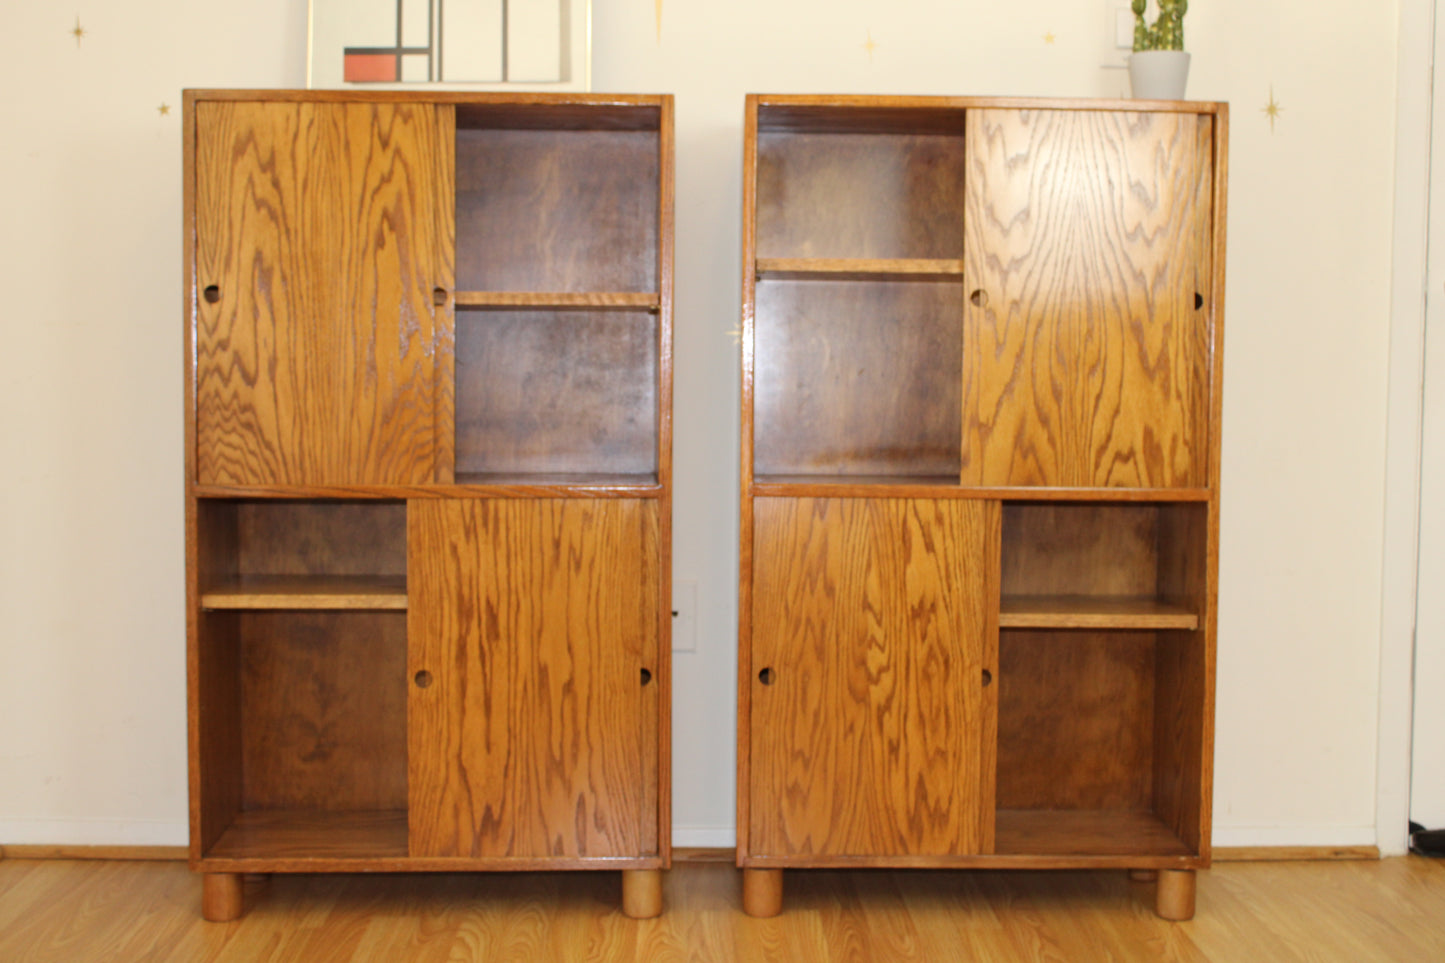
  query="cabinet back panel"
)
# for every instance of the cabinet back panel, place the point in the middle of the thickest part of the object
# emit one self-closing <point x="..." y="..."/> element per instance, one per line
<point x="1080" y="549"/>
<point x="840" y="195"/>
<point x="535" y="618"/>
<point x="873" y="735"/>
<point x="1086" y="362"/>
<point x="860" y="195"/>
<point x="323" y="709"/>
<point x="1075" y="720"/>
<point x="556" y="210"/>
<point x="320" y="538"/>
<point x="566" y="391"/>
<point x="317" y="226"/>
<point x="856" y="378"/>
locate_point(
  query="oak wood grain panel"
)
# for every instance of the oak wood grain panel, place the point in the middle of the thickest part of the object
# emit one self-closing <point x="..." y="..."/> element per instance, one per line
<point x="625" y="300"/>
<point x="316" y="225"/>
<point x="746" y="356"/>
<point x="445" y="302"/>
<point x="843" y="195"/>
<point x="1075" y="720"/>
<point x="534" y="620"/>
<point x="281" y="834"/>
<point x="557" y="210"/>
<point x="480" y="485"/>
<point x="216" y="726"/>
<point x="307" y="592"/>
<point x="876" y="620"/>
<point x="1085" y="832"/>
<point x="319" y="538"/>
<point x="657" y="718"/>
<point x="1080" y="549"/>
<point x="1085" y="359"/>
<point x="856" y="378"/>
<point x="859" y="269"/>
<point x="565" y="392"/>
<point x="946" y="486"/>
<point x="1183" y="744"/>
<point x="323" y="703"/>
<point x="1092" y="612"/>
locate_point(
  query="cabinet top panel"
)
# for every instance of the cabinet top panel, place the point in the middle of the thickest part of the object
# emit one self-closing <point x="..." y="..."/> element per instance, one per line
<point x="886" y="114"/>
<point x="478" y="109"/>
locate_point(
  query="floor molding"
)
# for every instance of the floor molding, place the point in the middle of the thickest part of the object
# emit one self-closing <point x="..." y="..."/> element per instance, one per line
<point x="1283" y="854"/>
<point x="44" y="851"/>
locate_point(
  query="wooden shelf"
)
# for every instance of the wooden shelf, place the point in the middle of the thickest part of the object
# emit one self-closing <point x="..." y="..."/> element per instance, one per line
<point x="283" y="835"/>
<point x="551" y="482"/>
<point x="1084" y="832"/>
<point x="307" y="592"/>
<point x="560" y="300"/>
<point x="1085" y="612"/>
<point x="859" y="269"/>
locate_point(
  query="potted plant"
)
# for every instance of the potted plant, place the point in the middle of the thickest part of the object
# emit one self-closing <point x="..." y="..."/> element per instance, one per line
<point x="1159" y="66"/>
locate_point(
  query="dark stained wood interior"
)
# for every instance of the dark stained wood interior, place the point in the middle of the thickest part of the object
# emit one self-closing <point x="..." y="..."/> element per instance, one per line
<point x="857" y="378"/>
<point x="860" y="196"/>
<point x="565" y="392"/>
<point x="557" y="210"/>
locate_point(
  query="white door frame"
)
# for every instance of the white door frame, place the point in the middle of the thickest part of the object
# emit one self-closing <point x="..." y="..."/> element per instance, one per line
<point x="1399" y="575"/>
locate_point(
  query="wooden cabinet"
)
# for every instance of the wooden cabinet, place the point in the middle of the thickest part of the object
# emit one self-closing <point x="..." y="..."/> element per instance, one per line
<point x="428" y="484"/>
<point x="980" y="487"/>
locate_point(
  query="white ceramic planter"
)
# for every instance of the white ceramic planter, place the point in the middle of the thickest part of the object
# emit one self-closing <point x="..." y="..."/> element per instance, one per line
<point x="1158" y="74"/>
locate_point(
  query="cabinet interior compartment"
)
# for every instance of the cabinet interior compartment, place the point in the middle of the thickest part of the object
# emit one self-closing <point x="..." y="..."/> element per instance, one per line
<point x="857" y="378"/>
<point x="566" y="209"/>
<point x="570" y="393"/>
<point x="1101" y="712"/>
<point x="854" y="184"/>
<point x="285" y="554"/>
<point x="301" y="661"/>
<point x="304" y="716"/>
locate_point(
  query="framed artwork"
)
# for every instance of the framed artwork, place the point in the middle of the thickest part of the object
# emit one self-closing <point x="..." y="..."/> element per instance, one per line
<point x="465" y="44"/>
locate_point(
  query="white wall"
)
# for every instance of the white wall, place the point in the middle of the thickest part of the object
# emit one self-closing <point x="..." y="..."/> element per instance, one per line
<point x="92" y="706"/>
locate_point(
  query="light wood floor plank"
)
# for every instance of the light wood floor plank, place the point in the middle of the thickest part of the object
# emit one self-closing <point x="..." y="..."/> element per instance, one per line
<point x="1319" y="912"/>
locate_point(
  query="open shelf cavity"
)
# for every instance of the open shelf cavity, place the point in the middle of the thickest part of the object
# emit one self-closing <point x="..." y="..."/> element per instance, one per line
<point x="885" y="200"/>
<point x="279" y="835"/>
<point x="857" y="380"/>
<point x="1101" y="674"/>
<point x="302" y="555"/>
<point x="556" y="210"/>
<point x="569" y="394"/>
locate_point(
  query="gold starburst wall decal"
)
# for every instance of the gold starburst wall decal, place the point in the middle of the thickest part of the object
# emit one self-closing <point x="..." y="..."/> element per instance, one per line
<point x="870" y="46"/>
<point x="78" y="32"/>
<point x="1049" y="38"/>
<point x="1272" y="109"/>
<point x="659" y="21"/>
<point x="736" y="334"/>
<point x="164" y="109"/>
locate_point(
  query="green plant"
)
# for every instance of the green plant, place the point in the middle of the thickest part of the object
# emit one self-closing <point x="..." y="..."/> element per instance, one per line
<point x="1168" y="30"/>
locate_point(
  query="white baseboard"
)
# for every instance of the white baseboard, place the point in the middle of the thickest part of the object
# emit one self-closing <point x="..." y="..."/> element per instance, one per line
<point x="94" y="832"/>
<point x="704" y="837"/>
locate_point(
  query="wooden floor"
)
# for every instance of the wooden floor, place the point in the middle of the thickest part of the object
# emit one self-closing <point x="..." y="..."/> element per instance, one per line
<point x="82" y="911"/>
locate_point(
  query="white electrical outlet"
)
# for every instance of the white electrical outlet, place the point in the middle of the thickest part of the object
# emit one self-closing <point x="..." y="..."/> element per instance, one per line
<point x="684" y="616"/>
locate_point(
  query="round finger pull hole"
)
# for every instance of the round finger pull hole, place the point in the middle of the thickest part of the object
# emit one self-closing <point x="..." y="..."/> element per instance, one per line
<point x="212" y="294"/>
<point x="979" y="298"/>
<point x="1198" y="300"/>
<point x="766" y="677"/>
<point x="646" y="676"/>
<point x="423" y="679"/>
<point x="439" y="297"/>
<point x="987" y="677"/>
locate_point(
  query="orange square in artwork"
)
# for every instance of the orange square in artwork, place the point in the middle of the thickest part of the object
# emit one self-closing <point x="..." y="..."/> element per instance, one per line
<point x="360" y="68"/>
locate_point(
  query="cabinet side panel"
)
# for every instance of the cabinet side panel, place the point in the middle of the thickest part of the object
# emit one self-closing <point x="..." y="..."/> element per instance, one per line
<point x="1183" y="742"/>
<point x="316" y="251"/>
<point x="1086" y="361"/>
<point x="534" y="621"/>
<point x="870" y="617"/>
